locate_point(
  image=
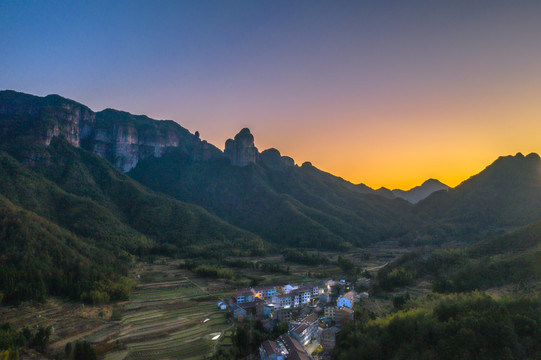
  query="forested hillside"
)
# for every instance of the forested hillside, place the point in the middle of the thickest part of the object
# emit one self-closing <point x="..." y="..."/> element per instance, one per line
<point x="292" y="205"/>
<point x="94" y="205"/>
<point x="473" y="326"/>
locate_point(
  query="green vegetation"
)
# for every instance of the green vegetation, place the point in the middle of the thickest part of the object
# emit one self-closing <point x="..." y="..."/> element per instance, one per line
<point x="73" y="225"/>
<point x="505" y="194"/>
<point x="247" y="338"/>
<point x="11" y="340"/>
<point x="304" y="258"/>
<point x="40" y="258"/>
<point x="495" y="261"/>
<point x="72" y="228"/>
<point x="473" y="326"/>
<point x="210" y="271"/>
<point x="294" y="207"/>
<point x="83" y="351"/>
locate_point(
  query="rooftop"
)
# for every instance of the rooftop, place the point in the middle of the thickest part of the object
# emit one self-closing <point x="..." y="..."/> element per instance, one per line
<point x="299" y="329"/>
<point x="244" y="292"/>
<point x="295" y="349"/>
<point x="350" y="295"/>
<point x="270" y="347"/>
<point x="311" y="318"/>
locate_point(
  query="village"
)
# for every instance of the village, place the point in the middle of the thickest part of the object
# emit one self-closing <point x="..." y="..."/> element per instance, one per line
<point x="314" y="312"/>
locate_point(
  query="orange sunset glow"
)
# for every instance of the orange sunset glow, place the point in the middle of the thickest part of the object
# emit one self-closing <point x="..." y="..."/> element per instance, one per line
<point x="385" y="94"/>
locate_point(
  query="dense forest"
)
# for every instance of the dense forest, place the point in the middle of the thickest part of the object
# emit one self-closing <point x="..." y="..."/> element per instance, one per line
<point x="73" y="225"/>
<point x="471" y="326"/>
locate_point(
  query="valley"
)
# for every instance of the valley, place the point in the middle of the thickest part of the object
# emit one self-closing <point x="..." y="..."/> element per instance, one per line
<point x="120" y="234"/>
<point x="172" y="312"/>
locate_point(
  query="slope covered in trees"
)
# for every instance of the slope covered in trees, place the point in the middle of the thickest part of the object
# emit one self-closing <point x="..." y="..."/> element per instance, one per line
<point x="295" y="206"/>
<point x="505" y="194"/>
<point x="96" y="220"/>
<point x="495" y="261"/>
<point x="473" y="326"/>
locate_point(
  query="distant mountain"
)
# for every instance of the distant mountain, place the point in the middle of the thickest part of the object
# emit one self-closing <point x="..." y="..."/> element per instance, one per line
<point x="421" y="192"/>
<point x="505" y="194"/>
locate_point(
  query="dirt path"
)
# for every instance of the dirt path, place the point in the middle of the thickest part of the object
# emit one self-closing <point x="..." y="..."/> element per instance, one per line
<point x="379" y="267"/>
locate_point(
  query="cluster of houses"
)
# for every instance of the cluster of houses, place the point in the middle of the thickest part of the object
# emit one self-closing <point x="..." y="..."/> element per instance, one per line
<point x="315" y="313"/>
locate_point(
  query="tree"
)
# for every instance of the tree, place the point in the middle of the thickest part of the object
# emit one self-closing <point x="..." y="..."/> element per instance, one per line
<point x="67" y="350"/>
<point x="400" y="300"/>
<point x="83" y="351"/>
<point x="280" y="329"/>
<point x="40" y="340"/>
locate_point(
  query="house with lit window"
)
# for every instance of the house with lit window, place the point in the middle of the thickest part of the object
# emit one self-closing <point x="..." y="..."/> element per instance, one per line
<point x="244" y="296"/>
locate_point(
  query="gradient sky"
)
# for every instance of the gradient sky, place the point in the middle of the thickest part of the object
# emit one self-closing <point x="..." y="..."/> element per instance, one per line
<point x="388" y="93"/>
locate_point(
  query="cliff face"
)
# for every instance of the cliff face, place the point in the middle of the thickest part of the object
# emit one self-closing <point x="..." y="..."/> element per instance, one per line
<point x="124" y="139"/>
<point x="38" y="120"/>
<point x="241" y="151"/>
<point x="120" y="137"/>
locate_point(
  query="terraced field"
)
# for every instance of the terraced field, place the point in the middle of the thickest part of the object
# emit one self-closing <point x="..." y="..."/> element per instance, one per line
<point x="170" y="323"/>
<point x="170" y="315"/>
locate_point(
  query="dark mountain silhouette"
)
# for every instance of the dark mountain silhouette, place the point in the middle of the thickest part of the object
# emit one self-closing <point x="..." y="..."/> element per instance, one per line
<point x="421" y="192"/>
<point x="505" y="194"/>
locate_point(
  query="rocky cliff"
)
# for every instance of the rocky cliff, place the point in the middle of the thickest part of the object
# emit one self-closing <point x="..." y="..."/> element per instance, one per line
<point x="241" y="150"/>
<point x="122" y="138"/>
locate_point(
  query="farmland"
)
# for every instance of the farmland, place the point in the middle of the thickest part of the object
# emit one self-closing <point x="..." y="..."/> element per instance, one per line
<point x="170" y="315"/>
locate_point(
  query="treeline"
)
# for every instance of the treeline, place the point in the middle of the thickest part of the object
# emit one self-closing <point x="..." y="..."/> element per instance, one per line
<point x="464" y="269"/>
<point x="211" y="271"/>
<point x="304" y="258"/>
<point x="214" y="268"/>
<point x="11" y="340"/>
<point x="472" y="326"/>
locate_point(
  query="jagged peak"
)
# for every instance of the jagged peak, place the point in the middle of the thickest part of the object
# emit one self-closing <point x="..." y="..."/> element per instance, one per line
<point x="241" y="151"/>
<point x="245" y="135"/>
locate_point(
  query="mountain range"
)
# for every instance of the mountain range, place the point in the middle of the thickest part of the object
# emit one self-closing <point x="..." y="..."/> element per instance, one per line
<point x="83" y="190"/>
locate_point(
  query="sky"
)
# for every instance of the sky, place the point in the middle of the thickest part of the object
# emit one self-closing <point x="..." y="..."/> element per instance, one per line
<point x="385" y="93"/>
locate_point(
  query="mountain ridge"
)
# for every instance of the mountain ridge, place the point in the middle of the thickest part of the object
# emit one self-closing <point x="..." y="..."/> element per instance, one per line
<point x="418" y="193"/>
<point x="128" y="185"/>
